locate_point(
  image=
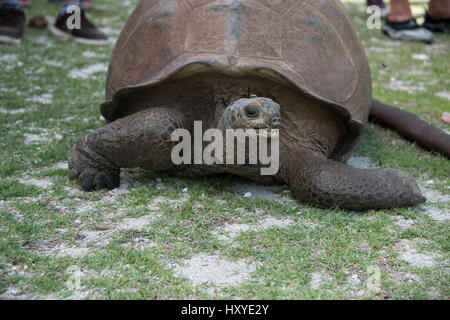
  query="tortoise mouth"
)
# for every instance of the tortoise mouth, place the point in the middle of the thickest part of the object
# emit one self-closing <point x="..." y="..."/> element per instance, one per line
<point x="260" y="124"/>
<point x="262" y="132"/>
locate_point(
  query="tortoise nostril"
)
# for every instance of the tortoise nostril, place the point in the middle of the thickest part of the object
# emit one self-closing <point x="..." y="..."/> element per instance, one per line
<point x="276" y="122"/>
<point x="252" y="111"/>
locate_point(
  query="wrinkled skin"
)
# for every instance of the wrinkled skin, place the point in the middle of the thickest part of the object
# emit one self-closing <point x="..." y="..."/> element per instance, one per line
<point x="253" y="113"/>
<point x="143" y="140"/>
<point x="177" y="62"/>
<point x="328" y="184"/>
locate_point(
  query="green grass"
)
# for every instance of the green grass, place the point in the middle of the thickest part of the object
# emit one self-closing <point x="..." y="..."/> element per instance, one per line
<point x="37" y="221"/>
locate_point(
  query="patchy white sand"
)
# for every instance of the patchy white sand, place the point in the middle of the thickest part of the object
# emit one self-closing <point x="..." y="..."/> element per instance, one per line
<point x="140" y="243"/>
<point x="91" y="54"/>
<point x="43" y="40"/>
<point x="15" y="111"/>
<point x="98" y="238"/>
<point x="103" y="237"/>
<point x="354" y="286"/>
<point x="73" y="252"/>
<point x="46" y="135"/>
<point x="434" y="196"/>
<point x="155" y="202"/>
<point x="127" y="181"/>
<point x="362" y="162"/>
<point x="317" y="280"/>
<point x="438" y="46"/>
<point x="53" y="63"/>
<point x="231" y="231"/>
<point x="46" y="98"/>
<point x="385" y="42"/>
<point x="417" y="72"/>
<point x="134" y="223"/>
<point x="403" y="223"/>
<point x="353" y="280"/>
<point x="112" y="40"/>
<point x="110" y="31"/>
<point x="213" y="269"/>
<point x="41" y="183"/>
<point x="402" y="85"/>
<point x="31" y="138"/>
<point x="253" y="190"/>
<point x="444" y="94"/>
<point x="8" y="58"/>
<point x="421" y="56"/>
<point x="11" y="270"/>
<point x="438" y="214"/>
<point x="410" y="254"/>
<point x="88" y="71"/>
<point x="403" y="277"/>
<point x="57" y="249"/>
<point x="3" y="204"/>
<point x="86" y="206"/>
<point x="379" y="49"/>
<point x="60" y="165"/>
<point x="14" y="293"/>
<point x="127" y="3"/>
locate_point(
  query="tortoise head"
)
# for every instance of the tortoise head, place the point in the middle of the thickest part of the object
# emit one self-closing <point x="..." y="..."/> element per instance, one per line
<point x="254" y="113"/>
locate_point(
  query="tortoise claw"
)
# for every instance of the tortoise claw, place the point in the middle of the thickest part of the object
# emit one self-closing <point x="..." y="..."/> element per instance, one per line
<point x="73" y="174"/>
<point x="106" y="180"/>
<point x="89" y="174"/>
<point x="92" y="179"/>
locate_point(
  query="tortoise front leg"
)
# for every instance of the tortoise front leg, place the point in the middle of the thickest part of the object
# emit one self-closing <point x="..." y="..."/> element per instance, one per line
<point x="328" y="184"/>
<point x="140" y="140"/>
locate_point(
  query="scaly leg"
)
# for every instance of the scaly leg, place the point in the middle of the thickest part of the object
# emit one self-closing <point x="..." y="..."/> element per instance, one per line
<point x="140" y="140"/>
<point x="327" y="184"/>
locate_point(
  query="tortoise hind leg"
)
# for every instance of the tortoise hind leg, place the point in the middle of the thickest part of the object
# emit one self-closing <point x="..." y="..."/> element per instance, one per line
<point x="140" y="140"/>
<point x="327" y="184"/>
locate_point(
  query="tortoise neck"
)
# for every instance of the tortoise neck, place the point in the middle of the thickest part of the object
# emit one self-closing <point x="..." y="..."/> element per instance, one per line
<point x="221" y="106"/>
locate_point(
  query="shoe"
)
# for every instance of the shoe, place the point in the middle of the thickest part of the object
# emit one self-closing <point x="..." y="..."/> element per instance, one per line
<point x="438" y="25"/>
<point x="380" y="4"/>
<point x="408" y="30"/>
<point x="12" y="23"/>
<point x="87" y="34"/>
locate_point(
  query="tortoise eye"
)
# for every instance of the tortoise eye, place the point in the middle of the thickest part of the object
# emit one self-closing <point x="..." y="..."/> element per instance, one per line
<point x="252" y="111"/>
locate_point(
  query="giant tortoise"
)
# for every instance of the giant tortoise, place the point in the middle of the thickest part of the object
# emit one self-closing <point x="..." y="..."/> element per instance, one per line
<point x="293" y="65"/>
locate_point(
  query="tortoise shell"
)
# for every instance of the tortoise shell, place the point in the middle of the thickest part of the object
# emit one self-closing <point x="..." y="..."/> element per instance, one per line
<point x="308" y="45"/>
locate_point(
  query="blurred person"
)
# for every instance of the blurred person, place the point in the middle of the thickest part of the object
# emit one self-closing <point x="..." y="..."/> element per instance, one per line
<point x="446" y="117"/>
<point x="84" y="3"/>
<point x="400" y="23"/>
<point x="380" y="4"/>
<point x="12" y="23"/>
<point x="24" y="3"/>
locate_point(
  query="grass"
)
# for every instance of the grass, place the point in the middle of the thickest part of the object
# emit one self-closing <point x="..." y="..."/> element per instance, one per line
<point x="313" y="256"/>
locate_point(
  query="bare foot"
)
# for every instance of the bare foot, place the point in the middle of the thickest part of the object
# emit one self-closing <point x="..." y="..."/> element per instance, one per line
<point x="446" y="117"/>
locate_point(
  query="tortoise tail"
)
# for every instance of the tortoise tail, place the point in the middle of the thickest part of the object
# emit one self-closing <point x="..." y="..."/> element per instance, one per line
<point x="411" y="127"/>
